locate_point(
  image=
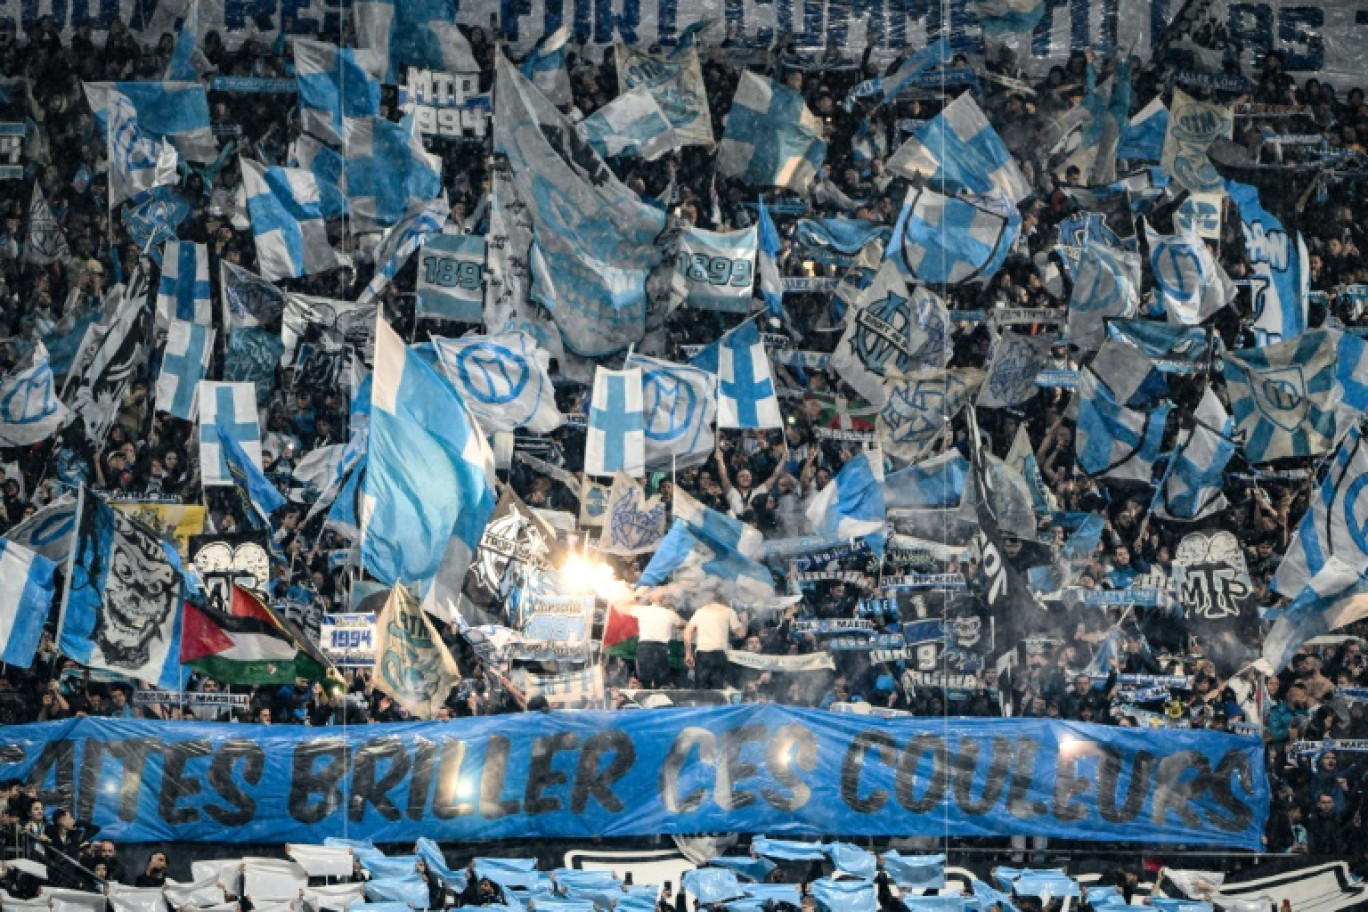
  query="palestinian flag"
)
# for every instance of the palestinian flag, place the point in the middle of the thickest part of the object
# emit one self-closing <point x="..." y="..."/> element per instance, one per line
<point x="248" y="644"/>
<point x="620" y="639"/>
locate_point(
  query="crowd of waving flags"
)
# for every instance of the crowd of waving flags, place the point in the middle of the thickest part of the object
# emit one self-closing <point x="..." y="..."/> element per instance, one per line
<point x="418" y="488"/>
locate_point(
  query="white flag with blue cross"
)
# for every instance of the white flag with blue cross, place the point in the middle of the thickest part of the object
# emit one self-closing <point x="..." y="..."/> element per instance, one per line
<point x="616" y="438"/>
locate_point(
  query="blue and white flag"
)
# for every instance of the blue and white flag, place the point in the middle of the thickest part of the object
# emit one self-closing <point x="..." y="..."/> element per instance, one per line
<point x="716" y="269"/>
<point x="837" y="241"/>
<point x="595" y="240"/>
<point x="44" y="240"/>
<point x="248" y="299"/>
<point x="185" y="362"/>
<point x="631" y="126"/>
<point x="1192" y="489"/>
<point x="413" y="33"/>
<point x="138" y="162"/>
<point x="183" y="292"/>
<point x="1188" y="281"/>
<point x="616" y="439"/>
<point x="1008" y="17"/>
<point x="1289" y="399"/>
<point x="957" y="150"/>
<point x="1174" y="349"/>
<point x="175" y="111"/>
<point x="770" y="139"/>
<point x="30" y="411"/>
<point x="422" y="219"/>
<point x="771" y="285"/>
<point x="288" y="207"/>
<point x="260" y="498"/>
<point x="676" y="83"/>
<point x="1335" y="597"/>
<point x="948" y="240"/>
<point x="887" y="88"/>
<point x="24" y="602"/>
<point x="1112" y="440"/>
<point x="1334" y="526"/>
<point x="1143" y="138"/>
<point x="745" y="387"/>
<point x="545" y="67"/>
<point x="504" y="380"/>
<point x="451" y="276"/>
<point x="1072" y="559"/>
<point x="1106" y="286"/>
<point x="335" y="84"/>
<point x="387" y="170"/>
<point x="633" y="523"/>
<point x="852" y="503"/>
<point x="187" y="62"/>
<point x="1131" y="376"/>
<point x="50" y="531"/>
<point x="1281" y="273"/>
<point x="679" y="405"/>
<point x="706" y="551"/>
<point x="121" y="611"/>
<point x="935" y="484"/>
<point x="1013" y="366"/>
<point x="235" y="404"/>
<point x="428" y="489"/>
<point x="918" y="407"/>
<point x="891" y="328"/>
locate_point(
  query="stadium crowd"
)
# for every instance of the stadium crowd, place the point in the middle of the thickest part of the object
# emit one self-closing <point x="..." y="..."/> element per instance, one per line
<point x="763" y="478"/>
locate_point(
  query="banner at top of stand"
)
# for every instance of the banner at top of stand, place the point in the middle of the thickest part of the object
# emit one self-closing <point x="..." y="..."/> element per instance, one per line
<point x="740" y="769"/>
<point x="1323" y="39"/>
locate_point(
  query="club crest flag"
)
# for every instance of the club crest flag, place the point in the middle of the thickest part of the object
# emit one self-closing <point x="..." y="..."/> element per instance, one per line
<point x="679" y="403"/>
<point x="635" y="523"/>
<point x="412" y="664"/>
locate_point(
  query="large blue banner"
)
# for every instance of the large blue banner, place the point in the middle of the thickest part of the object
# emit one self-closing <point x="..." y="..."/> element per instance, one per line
<point x="747" y="769"/>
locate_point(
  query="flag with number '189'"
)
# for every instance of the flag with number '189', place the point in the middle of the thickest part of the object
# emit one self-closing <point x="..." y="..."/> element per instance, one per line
<point x="716" y="269"/>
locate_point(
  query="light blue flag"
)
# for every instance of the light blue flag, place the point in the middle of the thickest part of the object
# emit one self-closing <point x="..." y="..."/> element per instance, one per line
<point x="985" y="897"/>
<point x="1281" y="274"/>
<point x="844" y="895"/>
<point x="122" y="608"/>
<point x="24" y="601"/>
<point x="1008" y="17"/>
<point x="407" y="891"/>
<point x="753" y="869"/>
<point x="1288" y="399"/>
<point x="30" y="411"/>
<point x="323" y="162"/>
<point x="183" y="292"/>
<point x="1335" y="524"/>
<point x="1193" y="487"/>
<point x="1112" y="440"/>
<point x="1167" y="904"/>
<point x="712" y="885"/>
<point x="771" y="285"/>
<point x="387" y="170"/>
<point x="545" y="67"/>
<point x="1143" y="138"/>
<point x="679" y="405"/>
<point x="428" y="490"/>
<point x="1188" y="281"/>
<point x="1106" y="286"/>
<point x="186" y="58"/>
<point x="788" y="849"/>
<point x="958" y="150"/>
<point x="185" y="362"/>
<point x="261" y="496"/>
<point x="451" y="275"/>
<point x="852" y="859"/>
<point x="1045" y="885"/>
<point x="631" y="126"/>
<point x="918" y="872"/>
<point x="705" y="550"/>
<point x="934" y="484"/>
<point x="837" y="241"/>
<point x="1073" y="558"/>
<point x="941" y="903"/>
<point x="1104" y="660"/>
<point x="431" y="853"/>
<point x="48" y="532"/>
<point x="335" y="84"/>
<point x="886" y="88"/>
<point x="422" y="219"/>
<point x="852" y="504"/>
<point x="770" y="139"/>
<point x="746" y="397"/>
<point x="236" y="403"/>
<point x="949" y="240"/>
<point x="1336" y="596"/>
<point x="413" y="33"/>
<point x="503" y="378"/>
<point x="174" y="111"/>
<point x="288" y="207"/>
<point x="615" y="439"/>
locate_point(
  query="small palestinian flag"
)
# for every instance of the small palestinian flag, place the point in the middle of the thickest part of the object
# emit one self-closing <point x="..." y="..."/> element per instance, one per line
<point x="248" y="644"/>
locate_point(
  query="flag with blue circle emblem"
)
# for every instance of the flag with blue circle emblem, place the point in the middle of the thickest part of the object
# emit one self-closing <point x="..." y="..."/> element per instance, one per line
<point x="1281" y="274"/>
<point x="387" y="169"/>
<point x="891" y="328"/>
<point x="1106" y="286"/>
<point x="745" y="386"/>
<point x="413" y="33"/>
<point x="185" y="362"/>
<point x="1192" y="488"/>
<point x="770" y="139"/>
<point x="428" y="488"/>
<point x="948" y="240"/>
<point x="335" y="84"/>
<point x="616" y="438"/>
<point x="288" y="207"/>
<point x="716" y="269"/>
<point x="1188" y="281"/>
<point x="235" y="404"/>
<point x="1112" y="440"/>
<point x="1336" y="525"/>
<point x="503" y="378"/>
<point x="631" y="126"/>
<point x="30" y="411"/>
<point x="679" y="404"/>
<point x="918" y="407"/>
<point x="705" y="551"/>
<point x="24" y="602"/>
<point x="1015" y="362"/>
<point x="852" y="504"/>
<point x="958" y="149"/>
<point x="183" y="292"/>
<point x="177" y="112"/>
<point x="1290" y="399"/>
<point x="397" y="244"/>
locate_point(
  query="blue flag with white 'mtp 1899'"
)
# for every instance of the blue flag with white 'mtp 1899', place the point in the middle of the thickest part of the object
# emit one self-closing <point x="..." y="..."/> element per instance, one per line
<point x="679" y="406"/>
<point x="288" y="207"/>
<point x="24" y="602"/>
<point x="958" y="150"/>
<point x="745" y="389"/>
<point x="185" y="362"/>
<point x="1333" y="526"/>
<point x="771" y="139"/>
<point x="183" y="292"/>
<point x="852" y="503"/>
<point x="948" y="240"/>
<point x="1281" y="275"/>
<point x="616" y="440"/>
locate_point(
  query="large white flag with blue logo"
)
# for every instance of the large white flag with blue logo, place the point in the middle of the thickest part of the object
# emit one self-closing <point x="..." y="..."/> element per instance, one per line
<point x="1187" y="279"/>
<point x="387" y="170"/>
<point x="770" y="139"/>
<point x="235" y="404"/>
<point x="716" y="269"/>
<point x="30" y="411"/>
<point x="183" y="292"/>
<point x="1334" y="526"/>
<point x="891" y="328"/>
<point x="616" y="439"/>
<point x="1106" y="286"/>
<point x="1193" y="488"/>
<point x="958" y="149"/>
<point x="1290" y="399"/>
<point x="288" y="207"/>
<point x="24" y="602"/>
<point x="503" y="378"/>
<point x="948" y="240"/>
<point x="1113" y="440"/>
<point x="676" y="82"/>
<point x="1281" y="274"/>
<point x="185" y="362"/>
<point x="595" y="240"/>
<point x="852" y="504"/>
<point x="413" y="33"/>
<point x="918" y="407"/>
<point x="175" y="111"/>
<point x="631" y="126"/>
<point x="679" y="403"/>
<point x="745" y="386"/>
<point x="335" y="84"/>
